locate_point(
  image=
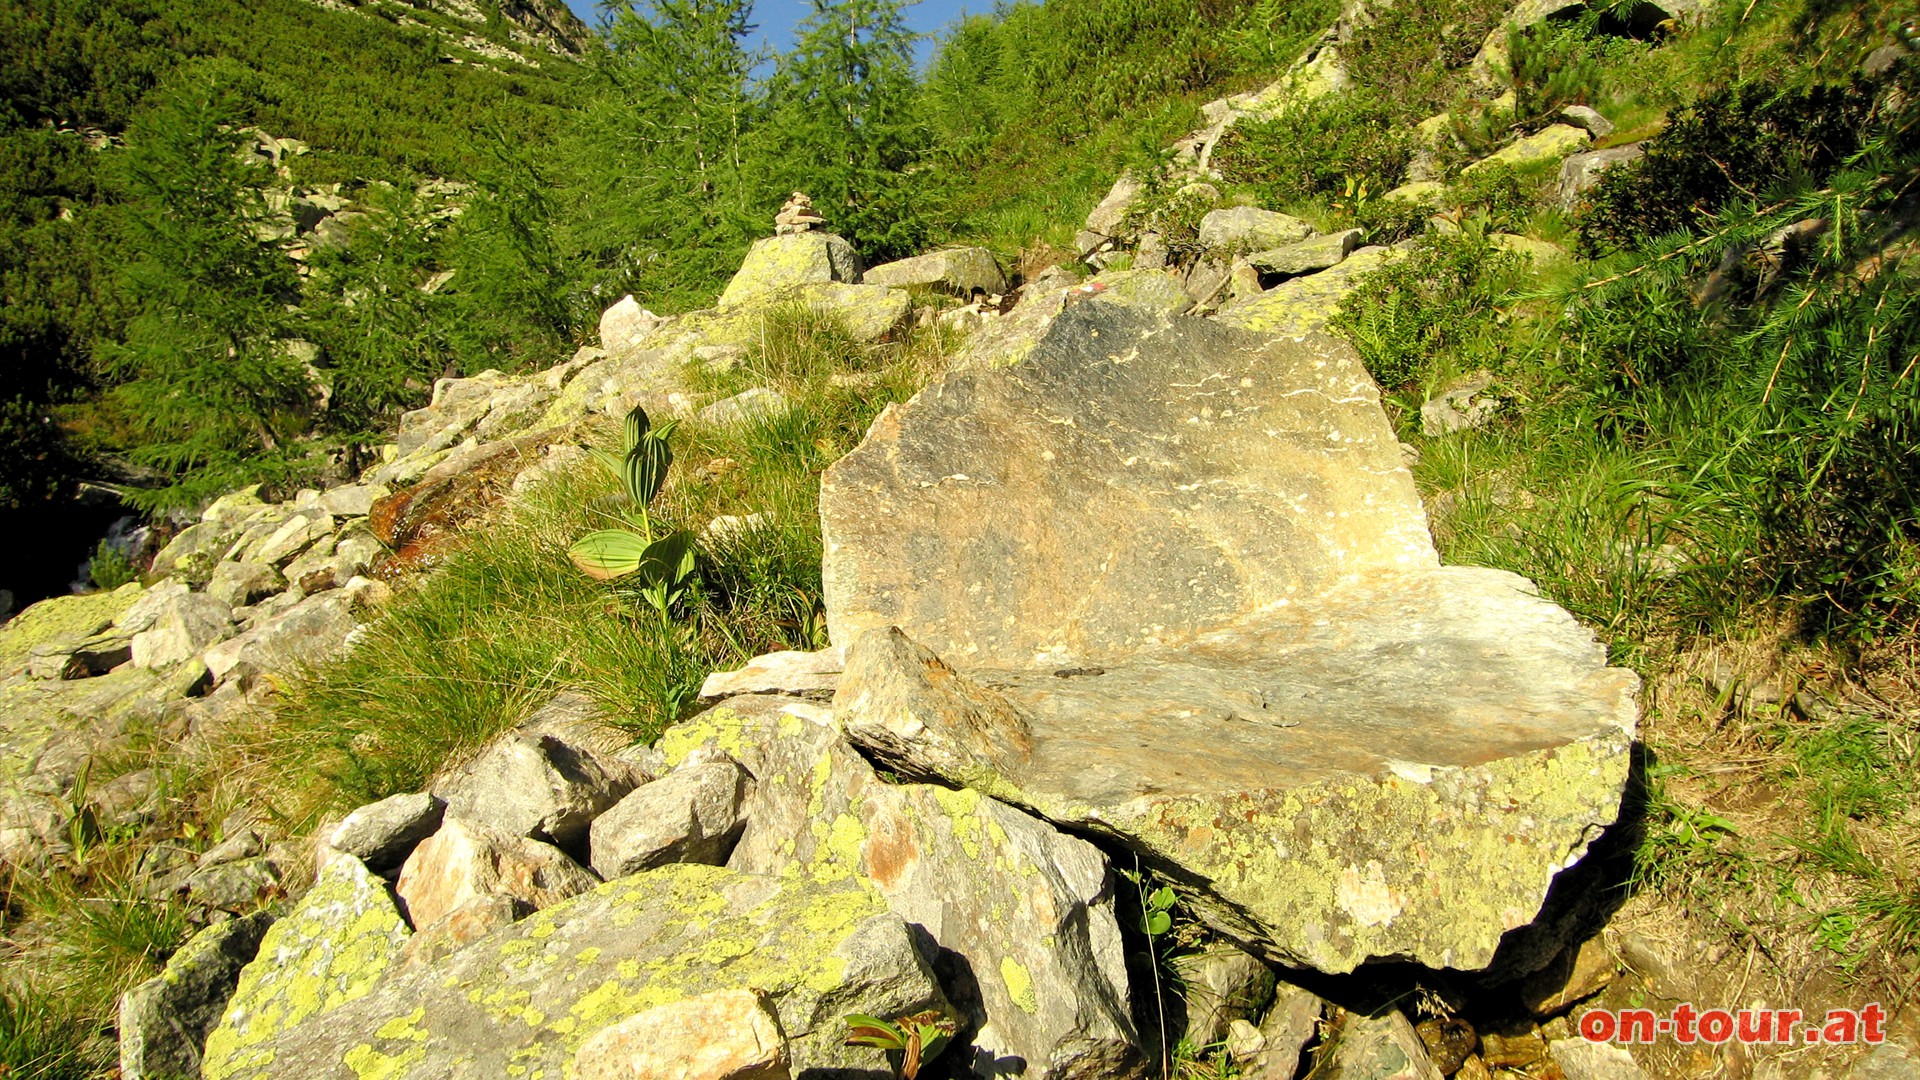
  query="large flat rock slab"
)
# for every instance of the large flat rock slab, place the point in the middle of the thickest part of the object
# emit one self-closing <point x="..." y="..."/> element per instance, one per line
<point x="1166" y="583"/>
<point x="524" y="1000"/>
<point x="1137" y="480"/>
<point x="1396" y="771"/>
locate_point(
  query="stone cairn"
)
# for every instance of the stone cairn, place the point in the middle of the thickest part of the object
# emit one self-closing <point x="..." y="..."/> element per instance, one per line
<point x="797" y="216"/>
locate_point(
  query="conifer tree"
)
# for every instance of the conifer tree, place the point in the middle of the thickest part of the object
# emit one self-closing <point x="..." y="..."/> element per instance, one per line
<point x="845" y="129"/>
<point x="665" y="208"/>
<point x="201" y="384"/>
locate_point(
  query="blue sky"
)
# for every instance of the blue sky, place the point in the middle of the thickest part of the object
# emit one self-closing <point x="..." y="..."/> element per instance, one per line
<point x="777" y="18"/>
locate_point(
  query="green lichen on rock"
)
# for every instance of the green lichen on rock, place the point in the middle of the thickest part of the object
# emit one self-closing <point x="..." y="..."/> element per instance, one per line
<point x="776" y="264"/>
<point x="332" y="949"/>
<point x="523" y="1000"/>
<point x="1303" y="305"/>
<point x="62" y="618"/>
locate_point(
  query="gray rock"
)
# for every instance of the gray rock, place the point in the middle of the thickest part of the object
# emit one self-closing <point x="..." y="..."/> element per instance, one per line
<point x="727" y="1035"/>
<point x="1106" y="218"/>
<point x="184" y="626"/>
<point x="962" y="271"/>
<point x="1022" y="916"/>
<point x="307" y="633"/>
<point x="1008" y="339"/>
<point x="194" y="550"/>
<point x="1206" y="279"/>
<point x="1590" y="120"/>
<point x="1230" y="650"/>
<point x="757" y="405"/>
<point x="1307" y="256"/>
<point x="127" y="800"/>
<point x="1579" y="173"/>
<point x="1380" y="1048"/>
<point x="1552" y="143"/>
<point x="1247" y="228"/>
<point x="465" y="861"/>
<point x="332" y="947"/>
<point x="383" y="834"/>
<point x="238" y="584"/>
<point x="1219" y="986"/>
<point x="1888" y="1061"/>
<point x="778" y="264"/>
<point x="1582" y="1060"/>
<point x="1292" y="1023"/>
<point x="537" y="786"/>
<point x="352" y="500"/>
<point x="1467" y="403"/>
<point x="817" y="950"/>
<point x="625" y="325"/>
<point x="1303" y="305"/>
<point x="691" y="815"/>
<point x="234" y="886"/>
<point x="144" y="612"/>
<point x="164" y="1021"/>
<point x="795" y="673"/>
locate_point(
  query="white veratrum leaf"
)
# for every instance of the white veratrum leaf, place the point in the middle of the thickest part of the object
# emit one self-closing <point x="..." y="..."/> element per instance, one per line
<point x="609" y="553"/>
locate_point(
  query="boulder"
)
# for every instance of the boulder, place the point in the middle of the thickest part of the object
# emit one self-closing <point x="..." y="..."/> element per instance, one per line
<point x="1291" y="1023"/>
<point x="1579" y="173"/>
<point x="238" y="584"/>
<point x="1381" y="1047"/>
<point x="235" y="885"/>
<point x="465" y="861"/>
<point x="183" y="628"/>
<point x="538" y="786"/>
<point x="779" y="264"/>
<point x="625" y="325"/>
<point x="961" y="271"/>
<point x="1579" y="1059"/>
<point x="1427" y="193"/>
<point x="1106" y="218"/>
<point x="1307" y="256"/>
<point x="1022" y="916"/>
<point x="1535" y="251"/>
<point x="692" y="815"/>
<point x="62" y="618"/>
<point x="1218" y="986"/>
<point x="793" y="673"/>
<point x="1230" y="650"/>
<point x="194" y="550"/>
<point x="351" y="500"/>
<point x="330" y="950"/>
<point x="749" y="408"/>
<point x="1247" y="228"/>
<point x="164" y="1021"/>
<point x="1006" y="340"/>
<point x="1551" y="143"/>
<point x="1588" y="120"/>
<point x="286" y="540"/>
<point x="530" y="996"/>
<point x="1304" y="305"/>
<point x="1465" y="404"/>
<point x="383" y="834"/>
<point x="725" y="1035"/>
<point x="309" y="633"/>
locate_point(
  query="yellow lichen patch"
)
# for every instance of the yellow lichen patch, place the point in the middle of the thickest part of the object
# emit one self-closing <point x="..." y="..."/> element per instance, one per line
<point x="1019" y="984"/>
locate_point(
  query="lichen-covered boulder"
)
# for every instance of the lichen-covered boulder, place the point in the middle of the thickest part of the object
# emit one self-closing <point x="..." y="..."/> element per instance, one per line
<point x="725" y="1035"/>
<point x="1004" y="341"/>
<point x="1229" y="646"/>
<point x="1303" y="305"/>
<point x="1023" y="915"/>
<point x="524" y="1000"/>
<point x="185" y="626"/>
<point x="962" y="271"/>
<point x="164" y="1021"/>
<point x="1551" y="143"/>
<point x="1249" y="228"/>
<point x="331" y="949"/>
<point x="62" y="618"/>
<point x="1307" y="256"/>
<point x="779" y="264"/>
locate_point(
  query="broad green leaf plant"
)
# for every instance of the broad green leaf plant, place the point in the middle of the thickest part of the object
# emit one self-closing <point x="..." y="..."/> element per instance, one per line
<point x="660" y="565"/>
<point x="918" y="1039"/>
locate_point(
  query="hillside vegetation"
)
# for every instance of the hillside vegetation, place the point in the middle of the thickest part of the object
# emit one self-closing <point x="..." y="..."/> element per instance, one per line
<point x="1699" y="375"/>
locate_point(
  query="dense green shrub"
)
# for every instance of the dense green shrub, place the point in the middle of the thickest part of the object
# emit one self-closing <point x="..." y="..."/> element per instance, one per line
<point x="1409" y="54"/>
<point x="1316" y="148"/>
<point x="1744" y="141"/>
<point x="1436" y="306"/>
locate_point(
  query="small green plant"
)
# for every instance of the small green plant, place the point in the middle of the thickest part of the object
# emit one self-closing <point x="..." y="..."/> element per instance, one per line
<point x="662" y="564"/>
<point x="918" y="1039"/>
<point x="1156" y="920"/>
<point x="110" y="568"/>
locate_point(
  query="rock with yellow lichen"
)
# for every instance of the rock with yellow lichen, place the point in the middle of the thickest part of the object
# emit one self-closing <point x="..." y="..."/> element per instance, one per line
<point x="1229" y="646"/>
<point x="522" y="1002"/>
<point x="1022" y="914"/>
<point x="330" y="950"/>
